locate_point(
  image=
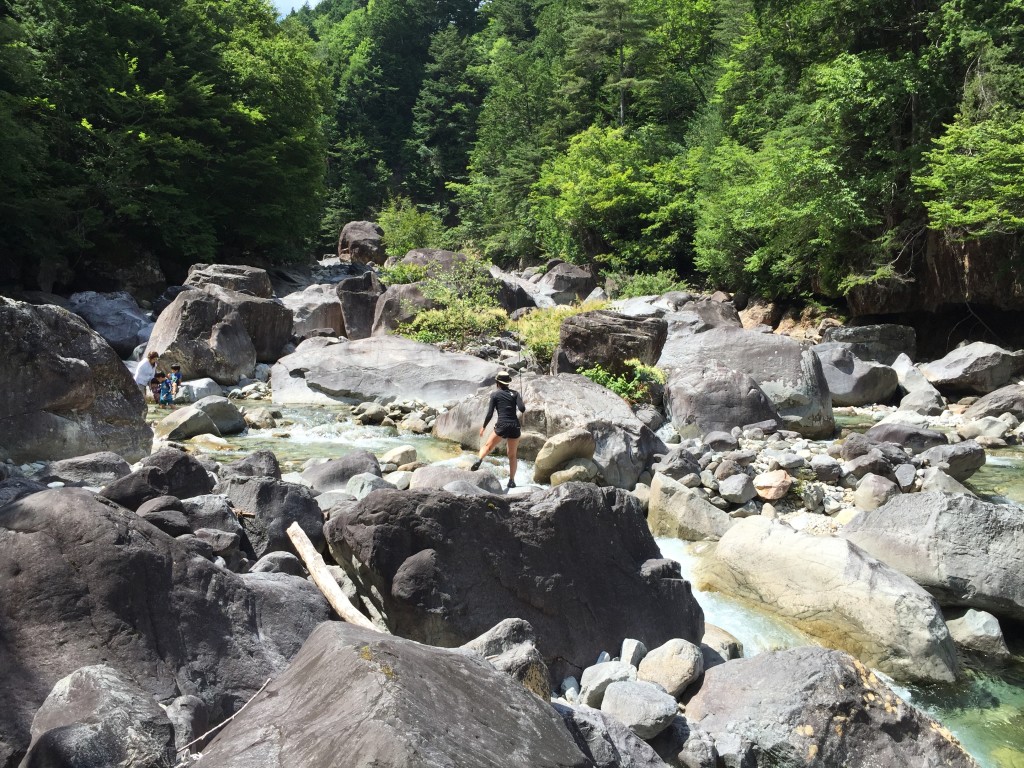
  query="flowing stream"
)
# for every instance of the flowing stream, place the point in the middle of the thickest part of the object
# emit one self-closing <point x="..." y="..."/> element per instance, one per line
<point x="985" y="710"/>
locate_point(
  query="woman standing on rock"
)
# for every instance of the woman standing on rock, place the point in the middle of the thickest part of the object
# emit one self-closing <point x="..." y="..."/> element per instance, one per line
<point x="145" y="372"/>
<point x="505" y="401"/>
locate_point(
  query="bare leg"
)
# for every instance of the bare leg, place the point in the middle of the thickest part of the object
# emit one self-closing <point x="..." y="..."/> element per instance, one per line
<point x="513" y="457"/>
<point x="492" y="441"/>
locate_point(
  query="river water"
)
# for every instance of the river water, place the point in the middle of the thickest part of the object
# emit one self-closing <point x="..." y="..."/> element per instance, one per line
<point x="985" y="710"/>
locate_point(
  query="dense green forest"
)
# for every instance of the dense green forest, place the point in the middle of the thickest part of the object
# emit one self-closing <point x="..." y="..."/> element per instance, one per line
<point x="788" y="147"/>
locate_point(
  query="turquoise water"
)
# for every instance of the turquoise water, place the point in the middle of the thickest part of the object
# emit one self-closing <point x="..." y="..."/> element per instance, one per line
<point x="985" y="710"/>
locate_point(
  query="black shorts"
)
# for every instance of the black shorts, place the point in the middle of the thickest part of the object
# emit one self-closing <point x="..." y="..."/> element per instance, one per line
<point x="507" y="429"/>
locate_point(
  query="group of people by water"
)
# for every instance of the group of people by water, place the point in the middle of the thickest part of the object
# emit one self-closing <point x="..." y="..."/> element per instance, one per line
<point x="163" y="386"/>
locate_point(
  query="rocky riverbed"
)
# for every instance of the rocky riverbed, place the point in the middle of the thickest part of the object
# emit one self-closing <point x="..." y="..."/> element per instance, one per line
<point x="854" y="522"/>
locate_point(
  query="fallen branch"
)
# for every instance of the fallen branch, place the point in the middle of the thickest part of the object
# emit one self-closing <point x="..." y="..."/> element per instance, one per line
<point x="225" y="722"/>
<point x="323" y="579"/>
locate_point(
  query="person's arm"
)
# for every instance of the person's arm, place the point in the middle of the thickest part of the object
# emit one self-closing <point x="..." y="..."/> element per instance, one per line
<point x="490" y="412"/>
<point x="519" y="402"/>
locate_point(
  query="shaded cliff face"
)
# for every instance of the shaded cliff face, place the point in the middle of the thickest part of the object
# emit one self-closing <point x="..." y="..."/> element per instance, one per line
<point x="943" y="275"/>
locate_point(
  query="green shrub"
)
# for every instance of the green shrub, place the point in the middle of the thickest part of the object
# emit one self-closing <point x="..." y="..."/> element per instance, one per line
<point x="538" y="330"/>
<point x="656" y="283"/>
<point x="456" y="324"/>
<point x="401" y="274"/>
<point x="633" y="387"/>
<point x="406" y="227"/>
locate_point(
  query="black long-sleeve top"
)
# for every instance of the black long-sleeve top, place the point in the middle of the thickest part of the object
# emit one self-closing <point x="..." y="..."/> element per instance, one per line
<point x="505" y="402"/>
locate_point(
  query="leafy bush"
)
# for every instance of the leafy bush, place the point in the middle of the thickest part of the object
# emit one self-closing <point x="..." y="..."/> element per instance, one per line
<point x="633" y="387"/>
<point x="401" y="274"/>
<point x="406" y="227"/>
<point x="469" y="307"/>
<point x="455" y="324"/>
<point x="538" y="330"/>
<point x="660" y="282"/>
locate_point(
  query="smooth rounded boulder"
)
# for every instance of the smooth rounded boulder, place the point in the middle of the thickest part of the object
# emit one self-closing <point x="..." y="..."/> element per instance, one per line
<point x="852" y="381"/>
<point x="114" y="316"/>
<point x="361" y="242"/>
<point x="789" y="375"/>
<point x="314" y="308"/>
<point x="390" y="366"/>
<point x="392" y="703"/>
<point x="267" y="507"/>
<point x="815" y="707"/>
<point x="65" y="391"/>
<point x="440" y="567"/>
<point x="837" y="593"/>
<point x="977" y="368"/>
<point x="964" y="551"/>
<point x="710" y="397"/>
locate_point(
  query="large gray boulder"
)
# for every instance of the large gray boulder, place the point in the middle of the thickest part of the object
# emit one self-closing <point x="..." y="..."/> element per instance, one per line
<point x="114" y="316"/>
<point x="443" y="569"/>
<point x="223" y="413"/>
<point x="267" y="507"/>
<point x="397" y="305"/>
<point x="206" y="335"/>
<point x="287" y="608"/>
<point x="441" y="476"/>
<point x="1008" y="399"/>
<point x="607" y="339"/>
<point x="65" y="391"/>
<point x="964" y="551"/>
<point x="907" y="436"/>
<point x="690" y="315"/>
<point x="435" y="261"/>
<point x="334" y="475"/>
<point x="790" y="375"/>
<point x="97" y="716"/>
<point x="625" y="447"/>
<point x="104" y="586"/>
<point x="251" y="280"/>
<point x="977" y="368"/>
<point x="853" y="381"/>
<point x="389" y="366"/>
<point x="94" y="469"/>
<point x="361" y="242"/>
<point x="392" y="703"/>
<point x="606" y="741"/>
<point x="566" y="283"/>
<point x="316" y="307"/>
<point x="958" y="460"/>
<point x="679" y="512"/>
<point x="837" y="593"/>
<point x="875" y="343"/>
<point x="358" y="296"/>
<point x="710" y="397"/>
<point x="815" y="707"/>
